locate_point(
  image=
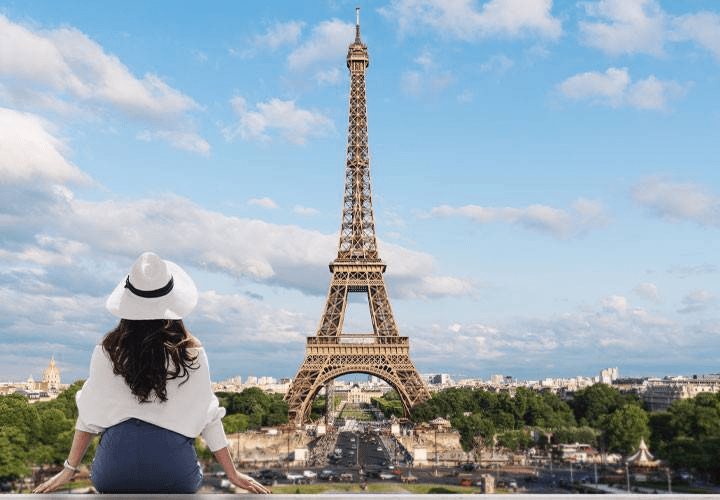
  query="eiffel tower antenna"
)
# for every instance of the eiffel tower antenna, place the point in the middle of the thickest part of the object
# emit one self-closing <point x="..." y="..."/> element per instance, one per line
<point x="356" y="269"/>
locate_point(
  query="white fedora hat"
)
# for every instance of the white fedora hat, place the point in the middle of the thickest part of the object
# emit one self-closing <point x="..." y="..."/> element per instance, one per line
<point x="154" y="289"/>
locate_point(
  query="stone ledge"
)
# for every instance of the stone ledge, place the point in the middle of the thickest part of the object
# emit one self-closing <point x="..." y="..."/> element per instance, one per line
<point x="353" y="496"/>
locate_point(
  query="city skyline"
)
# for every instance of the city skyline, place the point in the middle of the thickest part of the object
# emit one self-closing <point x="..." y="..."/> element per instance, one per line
<point x="543" y="175"/>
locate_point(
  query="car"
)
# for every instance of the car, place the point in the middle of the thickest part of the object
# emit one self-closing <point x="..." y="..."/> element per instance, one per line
<point x="294" y="477"/>
<point x="327" y="475"/>
<point x="379" y="448"/>
<point x="387" y="475"/>
<point x="310" y="474"/>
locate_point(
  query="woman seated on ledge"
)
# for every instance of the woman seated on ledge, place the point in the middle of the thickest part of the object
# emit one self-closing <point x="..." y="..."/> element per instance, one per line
<point x="149" y="393"/>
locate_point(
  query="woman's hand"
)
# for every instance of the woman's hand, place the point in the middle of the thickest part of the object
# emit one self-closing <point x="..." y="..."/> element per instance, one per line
<point x="247" y="483"/>
<point x="59" y="479"/>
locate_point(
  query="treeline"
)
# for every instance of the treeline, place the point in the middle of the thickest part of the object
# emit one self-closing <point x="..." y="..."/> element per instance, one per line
<point x="41" y="433"/>
<point x="251" y="409"/>
<point x="687" y="435"/>
<point x="599" y="415"/>
<point x="37" y="433"/>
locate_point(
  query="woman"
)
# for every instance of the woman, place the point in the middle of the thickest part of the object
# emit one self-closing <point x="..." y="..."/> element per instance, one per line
<point x="149" y="393"/>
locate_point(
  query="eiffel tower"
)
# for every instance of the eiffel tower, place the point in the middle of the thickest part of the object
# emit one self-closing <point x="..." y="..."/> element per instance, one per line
<point x="357" y="269"/>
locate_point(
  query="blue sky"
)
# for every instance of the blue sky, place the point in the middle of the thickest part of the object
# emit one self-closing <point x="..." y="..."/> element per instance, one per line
<point x="545" y="180"/>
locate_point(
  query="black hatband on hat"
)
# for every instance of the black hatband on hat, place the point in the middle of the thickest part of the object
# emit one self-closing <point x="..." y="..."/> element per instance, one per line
<point x="150" y="294"/>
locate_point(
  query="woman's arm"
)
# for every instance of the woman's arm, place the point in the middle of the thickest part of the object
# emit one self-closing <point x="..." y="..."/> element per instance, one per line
<point x="80" y="444"/>
<point x="243" y="481"/>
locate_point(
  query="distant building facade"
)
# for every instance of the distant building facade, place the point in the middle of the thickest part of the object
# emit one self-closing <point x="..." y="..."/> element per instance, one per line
<point x="659" y="394"/>
<point x="47" y="388"/>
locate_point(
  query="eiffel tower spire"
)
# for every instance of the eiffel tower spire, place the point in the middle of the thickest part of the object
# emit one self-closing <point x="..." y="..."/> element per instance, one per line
<point x="357" y="232"/>
<point x="332" y="353"/>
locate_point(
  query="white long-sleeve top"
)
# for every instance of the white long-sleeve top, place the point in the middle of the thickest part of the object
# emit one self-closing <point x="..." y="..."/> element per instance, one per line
<point x="191" y="409"/>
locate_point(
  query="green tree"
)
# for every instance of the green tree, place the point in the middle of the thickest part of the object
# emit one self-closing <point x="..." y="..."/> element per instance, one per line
<point x="515" y="440"/>
<point x="585" y="435"/>
<point x="16" y="411"/>
<point x="624" y="428"/>
<point x="472" y="427"/>
<point x="661" y="432"/>
<point x="596" y="402"/>
<point x="13" y="453"/>
<point x="235" y="423"/>
<point x="260" y="408"/>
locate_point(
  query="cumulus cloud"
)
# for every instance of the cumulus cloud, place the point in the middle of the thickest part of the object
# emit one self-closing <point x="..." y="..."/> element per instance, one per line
<point x="175" y="227"/>
<point x="29" y="151"/>
<point x="648" y="291"/>
<point x="678" y="201"/>
<point x="323" y="52"/>
<point x="583" y="215"/>
<point x="64" y="70"/>
<point x="263" y="202"/>
<point x="464" y="21"/>
<point x="585" y="340"/>
<point x="59" y="260"/>
<point x="615" y="89"/>
<point x="702" y="28"/>
<point x="305" y="211"/>
<point x="295" y="124"/>
<point x="625" y="26"/>
<point x="279" y="34"/>
<point x="697" y="301"/>
<point x="619" y="27"/>
<point x="180" y="139"/>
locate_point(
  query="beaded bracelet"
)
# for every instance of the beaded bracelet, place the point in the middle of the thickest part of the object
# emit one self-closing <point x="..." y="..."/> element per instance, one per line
<point x="69" y="467"/>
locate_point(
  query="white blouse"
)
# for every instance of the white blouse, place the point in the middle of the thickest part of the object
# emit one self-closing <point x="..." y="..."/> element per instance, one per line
<point x="191" y="409"/>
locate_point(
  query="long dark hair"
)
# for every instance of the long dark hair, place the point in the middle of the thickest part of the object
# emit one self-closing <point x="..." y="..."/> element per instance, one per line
<point x="148" y="353"/>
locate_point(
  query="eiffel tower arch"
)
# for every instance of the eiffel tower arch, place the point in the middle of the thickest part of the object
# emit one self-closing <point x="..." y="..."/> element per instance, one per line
<point x="358" y="269"/>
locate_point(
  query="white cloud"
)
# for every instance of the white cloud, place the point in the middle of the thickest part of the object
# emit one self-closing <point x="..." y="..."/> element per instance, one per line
<point x="697" y="301"/>
<point x="642" y="26"/>
<point x="499" y="63"/>
<point x="296" y="125"/>
<point x="626" y="26"/>
<point x="583" y="215"/>
<point x="585" y="340"/>
<point x="614" y="88"/>
<point x="245" y="249"/>
<point x="228" y="314"/>
<point x="678" y="201"/>
<point x="702" y="28"/>
<point x="184" y="140"/>
<point x="441" y="286"/>
<point x="608" y="88"/>
<point x="278" y="35"/>
<point x="65" y="71"/>
<point x="67" y="60"/>
<point x="330" y="76"/>
<point x="29" y="151"/>
<point x="326" y="47"/>
<point x="461" y="19"/>
<point x="263" y="202"/>
<point x="615" y="303"/>
<point x="305" y="211"/>
<point x="648" y="291"/>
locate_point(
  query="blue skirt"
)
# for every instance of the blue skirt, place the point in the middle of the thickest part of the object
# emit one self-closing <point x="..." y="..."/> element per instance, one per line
<point x="137" y="457"/>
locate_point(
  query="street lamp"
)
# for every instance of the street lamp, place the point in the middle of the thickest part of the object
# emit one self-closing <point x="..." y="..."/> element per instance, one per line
<point x="627" y="476"/>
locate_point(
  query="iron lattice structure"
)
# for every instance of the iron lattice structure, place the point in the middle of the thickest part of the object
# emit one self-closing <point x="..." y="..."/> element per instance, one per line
<point x="357" y="269"/>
